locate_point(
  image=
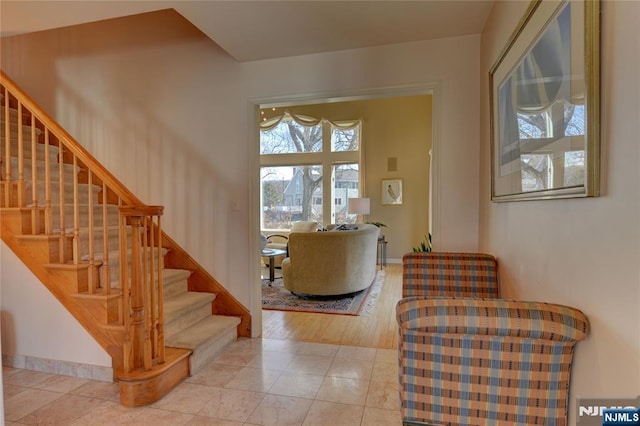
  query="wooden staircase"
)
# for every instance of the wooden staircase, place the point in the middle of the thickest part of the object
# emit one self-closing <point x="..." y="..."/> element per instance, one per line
<point x="102" y="253"/>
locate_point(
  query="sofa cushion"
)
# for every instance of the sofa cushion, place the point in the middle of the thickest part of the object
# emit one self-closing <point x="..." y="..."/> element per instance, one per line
<point x="304" y="226"/>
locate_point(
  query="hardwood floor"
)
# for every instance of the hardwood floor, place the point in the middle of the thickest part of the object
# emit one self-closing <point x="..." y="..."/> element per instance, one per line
<point x="379" y="330"/>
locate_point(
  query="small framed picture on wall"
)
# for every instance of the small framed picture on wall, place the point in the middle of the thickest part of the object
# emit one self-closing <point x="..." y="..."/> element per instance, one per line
<point x="391" y="192"/>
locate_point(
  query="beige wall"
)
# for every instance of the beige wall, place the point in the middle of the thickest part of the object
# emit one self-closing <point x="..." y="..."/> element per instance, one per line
<point x="34" y="326"/>
<point x="583" y="252"/>
<point x="175" y="119"/>
<point x="397" y="127"/>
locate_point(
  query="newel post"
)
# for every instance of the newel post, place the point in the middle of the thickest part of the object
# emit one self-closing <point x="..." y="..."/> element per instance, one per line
<point x="140" y="241"/>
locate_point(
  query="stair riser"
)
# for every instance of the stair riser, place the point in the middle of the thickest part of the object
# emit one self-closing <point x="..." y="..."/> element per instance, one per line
<point x="48" y="251"/>
<point x="26" y="150"/>
<point x="54" y="173"/>
<point x="26" y="128"/>
<point x="83" y="195"/>
<point x="76" y="280"/>
<point x="187" y="319"/>
<point x="83" y="216"/>
<point x="12" y="189"/>
<point x="105" y="311"/>
<point x="174" y="288"/>
<point x="113" y="240"/>
<point x="15" y="222"/>
<point x="205" y="353"/>
<point x="13" y="113"/>
<point x="115" y="277"/>
<point x="114" y="268"/>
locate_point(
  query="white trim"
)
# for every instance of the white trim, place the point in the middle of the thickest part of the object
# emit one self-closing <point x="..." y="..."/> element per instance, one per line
<point x="255" y="293"/>
<point x="436" y="144"/>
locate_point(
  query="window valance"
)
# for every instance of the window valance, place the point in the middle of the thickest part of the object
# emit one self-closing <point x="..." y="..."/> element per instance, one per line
<point x="305" y="120"/>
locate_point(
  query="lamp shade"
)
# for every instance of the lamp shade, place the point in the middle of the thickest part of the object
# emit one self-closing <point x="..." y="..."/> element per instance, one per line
<point x="359" y="205"/>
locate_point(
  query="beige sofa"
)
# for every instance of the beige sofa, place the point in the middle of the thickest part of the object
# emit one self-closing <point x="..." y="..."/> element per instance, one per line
<point x="280" y="239"/>
<point x="332" y="262"/>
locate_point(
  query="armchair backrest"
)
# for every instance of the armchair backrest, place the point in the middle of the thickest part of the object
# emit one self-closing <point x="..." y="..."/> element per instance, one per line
<point x="465" y="361"/>
<point x="450" y="274"/>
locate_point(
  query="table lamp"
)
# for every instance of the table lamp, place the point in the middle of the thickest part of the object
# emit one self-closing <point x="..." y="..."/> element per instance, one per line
<point x="359" y="207"/>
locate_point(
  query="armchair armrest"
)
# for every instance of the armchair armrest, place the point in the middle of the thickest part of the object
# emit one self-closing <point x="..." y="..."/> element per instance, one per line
<point x="469" y="361"/>
<point x="279" y="241"/>
<point x="284" y="237"/>
<point x="492" y="317"/>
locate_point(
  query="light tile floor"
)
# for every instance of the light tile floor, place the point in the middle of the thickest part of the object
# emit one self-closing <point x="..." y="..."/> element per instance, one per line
<point x="253" y="382"/>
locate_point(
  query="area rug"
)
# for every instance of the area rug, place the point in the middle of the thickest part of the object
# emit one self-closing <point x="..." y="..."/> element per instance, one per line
<point x="276" y="297"/>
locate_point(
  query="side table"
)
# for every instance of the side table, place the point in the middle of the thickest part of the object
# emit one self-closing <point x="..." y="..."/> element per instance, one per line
<point x="381" y="256"/>
<point x="271" y="254"/>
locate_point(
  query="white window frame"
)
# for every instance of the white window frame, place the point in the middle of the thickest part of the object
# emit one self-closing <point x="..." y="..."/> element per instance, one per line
<point x="327" y="159"/>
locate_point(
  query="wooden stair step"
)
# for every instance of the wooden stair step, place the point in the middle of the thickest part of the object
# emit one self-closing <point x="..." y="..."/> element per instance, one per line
<point x="186" y="309"/>
<point x="114" y="263"/>
<point x="206" y="339"/>
<point x="83" y="193"/>
<point x="115" y="255"/>
<point x="83" y="215"/>
<point x="139" y="387"/>
<point x="27" y="153"/>
<point x="45" y="248"/>
<point x="197" y="334"/>
<point x="26" y="128"/>
<point x="13" y="112"/>
<point x="174" y="282"/>
<point x="68" y="169"/>
<point x="105" y="308"/>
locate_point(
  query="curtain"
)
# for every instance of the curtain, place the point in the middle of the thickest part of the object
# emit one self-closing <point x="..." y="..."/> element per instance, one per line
<point x="306" y="121"/>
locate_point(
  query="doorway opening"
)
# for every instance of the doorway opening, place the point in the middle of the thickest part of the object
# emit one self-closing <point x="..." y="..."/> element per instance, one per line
<point x="398" y="131"/>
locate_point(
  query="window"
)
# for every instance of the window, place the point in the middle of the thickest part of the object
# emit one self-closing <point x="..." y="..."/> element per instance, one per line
<point x="294" y="162"/>
<point x="345" y="139"/>
<point x="537" y="171"/>
<point x="535" y="126"/>
<point x="345" y="178"/>
<point x="574" y="168"/>
<point x="547" y="145"/>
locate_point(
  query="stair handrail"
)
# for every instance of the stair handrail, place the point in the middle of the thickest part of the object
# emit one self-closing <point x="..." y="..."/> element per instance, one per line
<point x="139" y="230"/>
<point x="114" y="192"/>
<point x="71" y="143"/>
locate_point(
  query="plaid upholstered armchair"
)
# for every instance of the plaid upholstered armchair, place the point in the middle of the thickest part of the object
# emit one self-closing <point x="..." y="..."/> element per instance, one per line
<point x="466" y="361"/>
<point x="450" y="274"/>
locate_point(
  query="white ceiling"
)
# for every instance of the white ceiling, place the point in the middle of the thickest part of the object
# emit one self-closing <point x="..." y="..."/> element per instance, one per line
<point x="263" y="29"/>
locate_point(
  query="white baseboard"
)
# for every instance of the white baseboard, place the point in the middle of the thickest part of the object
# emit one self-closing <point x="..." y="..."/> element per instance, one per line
<point x="65" y="368"/>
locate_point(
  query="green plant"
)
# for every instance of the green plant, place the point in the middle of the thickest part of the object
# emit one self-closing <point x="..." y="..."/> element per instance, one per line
<point x="425" y="246"/>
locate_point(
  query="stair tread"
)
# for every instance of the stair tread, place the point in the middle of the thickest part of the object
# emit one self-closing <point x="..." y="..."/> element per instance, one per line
<point x="115" y="254"/>
<point x="183" y="301"/>
<point x="169" y="274"/>
<point x="206" y="329"/>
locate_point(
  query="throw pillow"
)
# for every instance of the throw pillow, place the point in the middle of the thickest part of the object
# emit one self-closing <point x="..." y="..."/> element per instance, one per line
<point x="304" y="226"/>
